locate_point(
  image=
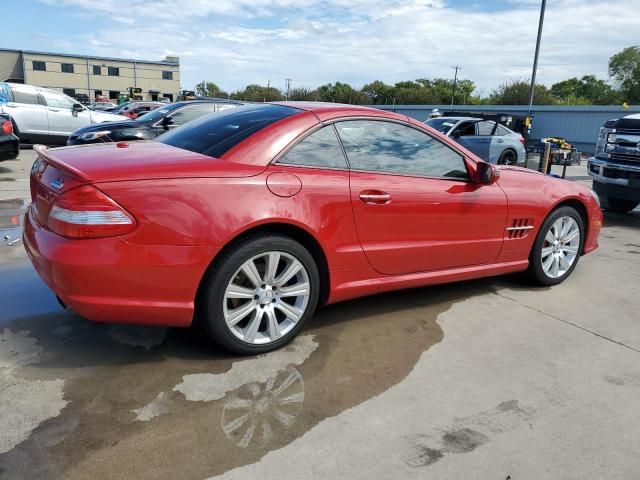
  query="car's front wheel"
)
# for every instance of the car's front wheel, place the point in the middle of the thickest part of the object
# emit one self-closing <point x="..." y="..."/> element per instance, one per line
<point x="259" y="294"/>
<point x="557" y="248"/>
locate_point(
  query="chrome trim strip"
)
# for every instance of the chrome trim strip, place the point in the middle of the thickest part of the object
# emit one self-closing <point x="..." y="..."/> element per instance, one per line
<point x="527" y="227"/>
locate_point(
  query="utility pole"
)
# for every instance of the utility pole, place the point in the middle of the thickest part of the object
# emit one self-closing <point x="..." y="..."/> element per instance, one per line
<point x="535" y="58"/>
<point x="455" y="81"/>
<point x="288" y="82"/>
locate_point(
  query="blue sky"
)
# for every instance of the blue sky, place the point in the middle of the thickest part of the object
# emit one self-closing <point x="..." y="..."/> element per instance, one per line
<point x="236" y="42"/>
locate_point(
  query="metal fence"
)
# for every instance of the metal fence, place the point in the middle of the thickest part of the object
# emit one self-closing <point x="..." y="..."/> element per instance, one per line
<point x="578" y="124"/>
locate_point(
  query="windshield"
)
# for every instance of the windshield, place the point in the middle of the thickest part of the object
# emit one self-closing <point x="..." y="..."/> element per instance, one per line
<point x="443" y="125"/>
<point x="217" y="133"/>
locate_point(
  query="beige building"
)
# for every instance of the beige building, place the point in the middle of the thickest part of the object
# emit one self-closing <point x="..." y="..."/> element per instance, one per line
<point x="91" y="76"/>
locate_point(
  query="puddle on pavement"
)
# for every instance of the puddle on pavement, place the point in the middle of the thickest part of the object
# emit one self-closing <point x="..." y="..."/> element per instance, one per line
<point x="154" y="403"/>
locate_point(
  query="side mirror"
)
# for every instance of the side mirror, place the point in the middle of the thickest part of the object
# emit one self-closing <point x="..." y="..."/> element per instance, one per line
<point x="455" y="134"/>
<point x="77" y="107"/>
<point x="166" y="121"/>
<point x="486" y="174"/>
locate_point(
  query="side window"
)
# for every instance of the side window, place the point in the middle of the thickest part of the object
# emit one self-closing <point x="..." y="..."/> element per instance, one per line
<point x="191" y="112"/>
<point x="486" y="128"/>
<point x="56" y="100"/>
<point x="387" y="147"/>
<point x="465" y="129"/>
<point x="24" y="96"/>
<point x="502" y="131"/>
<point x="320" y="149"/>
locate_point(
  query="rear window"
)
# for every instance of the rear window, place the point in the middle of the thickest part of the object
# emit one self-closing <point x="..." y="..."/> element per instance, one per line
<point x="217" y="133"/>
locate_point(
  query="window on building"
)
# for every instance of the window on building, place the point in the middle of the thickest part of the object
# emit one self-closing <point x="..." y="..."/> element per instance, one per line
<point x="386" y="147"/>
<point x="169" y="96"/>
<point x="97" y="93"/>
<point x="114" y="94"/>
<point x="113" y="71"/>
<point x="39" y="66"/>
<point x="166" y="75"/>
<point x="67" y="67"/>
<point x="69" y="91"/>
<point x="320" y="149"/>
<point x="97" y="70"/>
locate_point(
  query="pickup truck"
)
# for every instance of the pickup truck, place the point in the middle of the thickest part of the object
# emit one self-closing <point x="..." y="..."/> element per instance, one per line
<point x="615" y="167"/>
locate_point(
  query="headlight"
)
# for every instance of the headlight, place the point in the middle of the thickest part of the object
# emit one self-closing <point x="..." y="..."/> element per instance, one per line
<point x="595" y="196"/>
<point x="94" y="135"/>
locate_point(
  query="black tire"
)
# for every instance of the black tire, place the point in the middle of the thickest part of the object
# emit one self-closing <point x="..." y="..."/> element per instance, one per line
<point x="536" y="272"/>
<point x="211" y="295"/>
<point x="618" y="205"/>
<point x="508" y="157"/>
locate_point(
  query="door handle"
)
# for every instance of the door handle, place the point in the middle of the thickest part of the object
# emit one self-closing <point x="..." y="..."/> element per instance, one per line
<point x="53" y="110"/>
<point x="500" y="140"/>
<point x="376" y="197"/>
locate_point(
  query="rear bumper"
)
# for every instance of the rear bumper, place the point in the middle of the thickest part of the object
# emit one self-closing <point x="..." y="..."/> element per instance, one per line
<point x="110" y="280"/>
<point x="9" y="147"/>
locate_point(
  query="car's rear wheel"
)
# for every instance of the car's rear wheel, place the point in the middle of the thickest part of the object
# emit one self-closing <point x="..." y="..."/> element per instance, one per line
<point x="618" y="205"/>
<point x="557" y="248"/>
<point x="508" y="157"/>
<point x="260" y="294"/>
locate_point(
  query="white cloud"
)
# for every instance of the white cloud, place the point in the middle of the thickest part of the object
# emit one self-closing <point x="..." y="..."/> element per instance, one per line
<point x="236" y="42"/>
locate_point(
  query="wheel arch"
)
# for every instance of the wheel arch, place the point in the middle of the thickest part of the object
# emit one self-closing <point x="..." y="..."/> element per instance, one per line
<point x="297" y="233"/>
<point x="580" y="207"/>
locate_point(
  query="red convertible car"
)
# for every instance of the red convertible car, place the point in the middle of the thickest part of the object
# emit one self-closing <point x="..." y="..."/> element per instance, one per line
<point x="245" y="220"/>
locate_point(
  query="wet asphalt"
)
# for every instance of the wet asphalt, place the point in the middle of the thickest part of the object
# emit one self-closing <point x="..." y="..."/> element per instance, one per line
<point x="482" y="379"/>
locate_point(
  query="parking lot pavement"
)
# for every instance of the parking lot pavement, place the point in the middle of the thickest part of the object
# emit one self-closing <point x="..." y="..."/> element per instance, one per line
<point x="486" y="379"/>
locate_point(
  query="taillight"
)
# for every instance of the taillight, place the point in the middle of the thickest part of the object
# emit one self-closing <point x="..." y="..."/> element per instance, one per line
<point x="521" y="140"/>
<point x="7" y="127"/>
<point x="86" y="212"/>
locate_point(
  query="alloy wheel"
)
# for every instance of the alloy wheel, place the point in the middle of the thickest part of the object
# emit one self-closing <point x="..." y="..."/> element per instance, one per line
<point x="560" y="247"/>
<point x="266" y="297"/>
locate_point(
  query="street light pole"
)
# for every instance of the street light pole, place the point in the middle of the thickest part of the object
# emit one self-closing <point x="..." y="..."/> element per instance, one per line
<point x="535" y="58"/>
<point x="455" y="81"/>
<point x="288" y="80"/>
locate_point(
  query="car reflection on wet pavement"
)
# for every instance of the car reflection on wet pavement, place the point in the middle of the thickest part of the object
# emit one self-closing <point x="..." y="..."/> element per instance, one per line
<point x="131" y="397"/>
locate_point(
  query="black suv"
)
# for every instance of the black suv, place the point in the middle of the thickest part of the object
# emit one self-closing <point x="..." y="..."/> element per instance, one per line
<point x="151" y="124"/>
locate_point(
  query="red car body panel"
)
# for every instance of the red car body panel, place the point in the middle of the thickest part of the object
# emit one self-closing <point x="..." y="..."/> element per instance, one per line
<point x="188" y="207"/>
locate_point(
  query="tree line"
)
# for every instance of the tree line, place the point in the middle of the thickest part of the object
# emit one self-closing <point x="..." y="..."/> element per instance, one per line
<point x="623" y="86"/>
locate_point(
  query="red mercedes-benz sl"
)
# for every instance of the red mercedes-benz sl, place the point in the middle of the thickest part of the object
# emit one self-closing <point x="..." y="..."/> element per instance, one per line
<point x="245" y="220"/>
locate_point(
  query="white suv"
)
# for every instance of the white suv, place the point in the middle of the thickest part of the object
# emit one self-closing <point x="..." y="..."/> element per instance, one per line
<point x="45" y="115"/>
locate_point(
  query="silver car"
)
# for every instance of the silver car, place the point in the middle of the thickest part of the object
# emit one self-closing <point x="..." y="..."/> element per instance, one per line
<point x="42" y="115"/>
<point x="492" y="142"/>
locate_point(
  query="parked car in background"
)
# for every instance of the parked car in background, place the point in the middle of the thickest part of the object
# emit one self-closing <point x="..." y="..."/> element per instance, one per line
<point x="9" y="143"/>
<point x="244" y="220"/>
<point x="615" y="167"/>
<point x="102" y="106"/>
<point x="492" y="142"/>
<point x="134" y="109"/>
<point x="151" y="124"/>
<point x="42" y="115"/>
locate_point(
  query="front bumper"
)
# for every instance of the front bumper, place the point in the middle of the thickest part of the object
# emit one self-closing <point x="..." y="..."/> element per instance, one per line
<point x="111" y="280"/>
<point x="616" y="180"/>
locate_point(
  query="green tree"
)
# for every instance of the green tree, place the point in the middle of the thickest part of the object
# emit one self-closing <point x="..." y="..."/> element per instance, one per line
<point x="624" y="68"/>
<point x="584" y="91"/>
<point x="209" y="89"/>
<point x="341" y="93"/>
<point x="378" y="93"/>
<point x="258" y="93"/>
<point x="303" y="94"/>
<point x="516" y="92"/>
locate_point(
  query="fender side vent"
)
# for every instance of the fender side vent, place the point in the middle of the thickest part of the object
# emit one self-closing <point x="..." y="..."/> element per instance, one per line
<point x="519" y="228"/>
